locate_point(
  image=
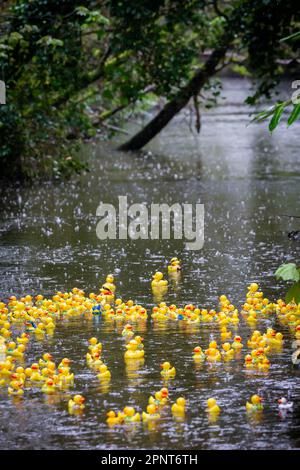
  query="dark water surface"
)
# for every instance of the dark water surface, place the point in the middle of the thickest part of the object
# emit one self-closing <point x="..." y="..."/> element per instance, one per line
<point x="247" y="179"/>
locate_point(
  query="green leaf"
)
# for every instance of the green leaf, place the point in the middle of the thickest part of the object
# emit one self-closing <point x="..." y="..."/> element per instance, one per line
<point x="293" y="293"/>
<point x="276" y="117"/>
<point x="294" y="114"/>
<point x="288" y="272"/>
<point x="292" y="36"/>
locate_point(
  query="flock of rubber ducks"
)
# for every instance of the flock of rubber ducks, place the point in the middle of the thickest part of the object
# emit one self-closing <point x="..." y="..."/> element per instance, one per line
<point x="37" y="317"/>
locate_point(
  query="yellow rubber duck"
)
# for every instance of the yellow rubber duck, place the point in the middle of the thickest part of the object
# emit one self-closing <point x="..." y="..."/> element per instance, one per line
<point x="228" y="352"/>
<point x="212" y="353"/>
<point x="47" y="357"/>
<point x="174" y="266"/>
<point x="139" y="341"/>
<point x="237" y="343"/>
<point x="198" y="354"/>
<point x="264" y="364"/>
<point x="40" y="330"/>
<point x="158" y="281"/>
<point x="160" y="398"/>
<point x="104" y="373"/>
<point x="19" y="351"/>
<point x="132" y="351"/>
<point x="76" y="404"/>
<point x="23" y="339"/>
<point x="35" y="375"/>
<point x="130" y="416"/>
<point x="167" y="371"/>
<point x="64" y="364"/>
<point x="212" y="406"/>
<point x="127" y="331"/>
<point x="225" y="334"/>
<point x="95" y="345"/>
<point x="113" y="419"/>
<point x="151" y="414"/>
<point x="248" y="363"/>
<point x="20" y="374"/>
<point x="94" y="360"/>
<point x="178" y="408"/>
<point x="49" y="387"/>
<point x="109" y="283"/>
<point x="255" y="404"/>
<point x="15" y="388"/>
<point x="65" y="378"/>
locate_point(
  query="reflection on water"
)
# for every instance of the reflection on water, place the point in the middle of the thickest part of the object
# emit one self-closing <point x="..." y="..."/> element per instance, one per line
<point x="246" y="179"/>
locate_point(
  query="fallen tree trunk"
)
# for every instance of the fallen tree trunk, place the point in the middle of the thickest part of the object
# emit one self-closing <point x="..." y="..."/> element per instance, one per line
<point x="173" y="107"/>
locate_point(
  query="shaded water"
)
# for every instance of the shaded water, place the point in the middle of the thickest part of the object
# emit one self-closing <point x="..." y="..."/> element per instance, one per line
<point x="247" y="179"/>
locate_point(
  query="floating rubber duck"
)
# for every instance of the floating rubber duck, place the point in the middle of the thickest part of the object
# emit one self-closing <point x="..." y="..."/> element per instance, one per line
<point x="107" y="292"/>
<point x="160" y="398"/>
<point x="130" y="416"/>
<point x="15" y="388"/>
<point x="212" y="353"/>
<point x="113" y="419"/>
<point x="283" y="404"/>
<point x="265" y="364"/>
<point x="167" y="370"/>
<point x="65" y="378"/>
<point x="95" y="345"/>
<point x="174" y="266"/>
<point x="228" y="352"/>
<point x="255" y="405"/>
<point x="47" y="358"/>
<point x="249" y="363"/>
<point x="104" y="373"/>
<point x="132" y="351"/>
<point x="49" y="387"/>
<point x="94" y="360"/>
<point x="158" y="281"/>
<point x="35" y="375"/>
<point x="23" y="339"/>
<point x="212" y="406"/>
<point x="273" y="338"/>
<point x="109" y="283"/>
<point x="97" y="309"/>
<point x="151" y="414"/>
<point x="40" y="330"/>
<point x="178" y="408"/>
<point x="19" y="351"/>
<point x="139" y="341"/>
<point x="225" y="334"/>
<point x="76" y="404"/>
<point x="198" y="354"/>
<point x="64" y="364"/>
<point x="127" y="331"/>
<point x="237" y="343"/>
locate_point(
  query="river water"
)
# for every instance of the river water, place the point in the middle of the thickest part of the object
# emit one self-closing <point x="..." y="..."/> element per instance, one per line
<point x="247" y="179"/>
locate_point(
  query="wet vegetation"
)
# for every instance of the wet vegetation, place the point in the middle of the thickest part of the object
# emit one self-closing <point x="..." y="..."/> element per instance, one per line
<point x="74" y="69"/>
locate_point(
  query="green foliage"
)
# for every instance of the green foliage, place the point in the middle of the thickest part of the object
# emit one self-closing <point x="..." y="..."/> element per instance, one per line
<point x="290" y="272"/>
<point x="71" y="64"/>
<point x="275" y="114"/>
<point x="293" y="294"/>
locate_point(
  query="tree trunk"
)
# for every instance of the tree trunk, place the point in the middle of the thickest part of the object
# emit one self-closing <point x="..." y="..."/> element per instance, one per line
<point x="178" y="103"/>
